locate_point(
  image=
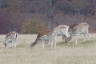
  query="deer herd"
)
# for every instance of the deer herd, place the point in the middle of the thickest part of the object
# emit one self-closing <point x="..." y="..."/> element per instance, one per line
<point x="67" y="32"/>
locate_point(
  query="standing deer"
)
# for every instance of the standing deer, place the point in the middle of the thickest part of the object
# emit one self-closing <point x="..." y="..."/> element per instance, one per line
<point x="79" y="29"/>
<point x="10" y="39"/>
<point x="51" y="37"/>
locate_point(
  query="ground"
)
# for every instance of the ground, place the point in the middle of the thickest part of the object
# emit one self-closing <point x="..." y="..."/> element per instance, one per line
<point x="82" y="53"/>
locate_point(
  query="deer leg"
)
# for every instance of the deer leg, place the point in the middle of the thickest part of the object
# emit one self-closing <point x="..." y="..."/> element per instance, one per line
<point x="76" y="42"/>
<point x="86" y="37"/>
<point x="52" y="43"/>
<point x="43" y="44"/>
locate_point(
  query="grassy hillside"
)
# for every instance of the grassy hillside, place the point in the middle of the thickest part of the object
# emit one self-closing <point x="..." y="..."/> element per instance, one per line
<point x="82" y="53"/>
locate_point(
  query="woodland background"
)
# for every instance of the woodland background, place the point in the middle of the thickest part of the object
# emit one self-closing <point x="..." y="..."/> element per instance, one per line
<point x="31" y="16"/>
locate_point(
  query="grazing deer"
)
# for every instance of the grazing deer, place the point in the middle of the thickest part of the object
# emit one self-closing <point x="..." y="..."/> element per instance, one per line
<point x="10" y="39"/>
<point x="51" y="36"/>
<point x="79" y="29"/>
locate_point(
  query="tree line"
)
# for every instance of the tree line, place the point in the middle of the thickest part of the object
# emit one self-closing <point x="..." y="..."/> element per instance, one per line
<point x="17" y="10"/>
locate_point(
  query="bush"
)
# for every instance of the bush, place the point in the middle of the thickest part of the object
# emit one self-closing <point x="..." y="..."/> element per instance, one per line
<point x="30" y="27"/>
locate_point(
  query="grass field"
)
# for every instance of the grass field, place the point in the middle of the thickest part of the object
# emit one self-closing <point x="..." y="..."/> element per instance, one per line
<point x="82" y="53"/>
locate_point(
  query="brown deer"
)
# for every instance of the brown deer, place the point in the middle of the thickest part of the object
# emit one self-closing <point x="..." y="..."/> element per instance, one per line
<point x="51" y="36"/>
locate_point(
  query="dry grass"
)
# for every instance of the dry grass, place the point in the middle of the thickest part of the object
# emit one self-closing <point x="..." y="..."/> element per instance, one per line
<point x="63" y="54"/>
